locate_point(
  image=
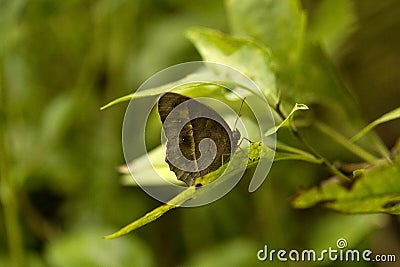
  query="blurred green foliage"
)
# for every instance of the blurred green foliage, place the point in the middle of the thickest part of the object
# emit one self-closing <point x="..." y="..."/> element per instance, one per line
<point x="60" y="193"/>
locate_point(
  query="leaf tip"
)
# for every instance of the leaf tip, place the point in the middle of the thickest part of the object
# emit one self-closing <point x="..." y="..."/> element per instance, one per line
<point x="301" y="106"/>
<point x="109" y="237"/>
<point x="105" y="106"/>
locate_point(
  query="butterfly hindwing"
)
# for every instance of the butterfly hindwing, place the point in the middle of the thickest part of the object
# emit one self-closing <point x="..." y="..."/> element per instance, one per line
<point x="185" y="143"/>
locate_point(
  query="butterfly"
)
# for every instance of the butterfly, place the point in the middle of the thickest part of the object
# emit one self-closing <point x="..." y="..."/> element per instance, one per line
<point x="187" y="123"/>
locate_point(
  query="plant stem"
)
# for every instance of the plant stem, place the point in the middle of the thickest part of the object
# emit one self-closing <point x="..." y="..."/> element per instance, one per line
<point x="340" y="139"/>
<point x="326" y="162"/>
<point x="13" y="233"/>
<point x="299" y="137"/>
<point x="7" y="196"/>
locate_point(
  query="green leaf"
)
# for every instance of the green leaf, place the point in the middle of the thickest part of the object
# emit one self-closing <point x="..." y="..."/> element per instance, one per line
<point x="179" y="86"/>
<point x="255" y="152"/>
<point x="333" y="21"/>
<point x="185" y="85"/>
<point x="313" y="81"/>
<point x="278" y="24"/>
<point x="286" y="122"/>
<point x="154" y="159"/>
<point x="82" y="247"/>
<point x="236" y="252"/>
<point x="329" y="227"/>
<point x="117" y="101"/>
<point x="155" y="214"/>
<point x="243" y="54"/>
<point x="377" y="191"/>
<point x="303" y="70"/>
<point x="392" y="115"/>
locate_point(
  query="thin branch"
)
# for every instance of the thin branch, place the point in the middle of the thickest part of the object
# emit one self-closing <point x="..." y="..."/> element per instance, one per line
<point x="340" y="139"/>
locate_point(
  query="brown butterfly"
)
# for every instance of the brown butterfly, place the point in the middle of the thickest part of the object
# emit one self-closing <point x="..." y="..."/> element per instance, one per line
<point x="183" y="141"/>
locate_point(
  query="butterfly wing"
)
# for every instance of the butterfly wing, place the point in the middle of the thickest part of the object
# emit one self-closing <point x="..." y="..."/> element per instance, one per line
<point x="184" y="146"/>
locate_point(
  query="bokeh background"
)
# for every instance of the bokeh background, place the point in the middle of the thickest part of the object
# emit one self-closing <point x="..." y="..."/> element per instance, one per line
<point x="60" y="191"/>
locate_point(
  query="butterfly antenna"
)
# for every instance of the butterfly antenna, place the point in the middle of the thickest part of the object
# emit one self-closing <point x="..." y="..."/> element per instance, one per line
<point x="240" y="114"/>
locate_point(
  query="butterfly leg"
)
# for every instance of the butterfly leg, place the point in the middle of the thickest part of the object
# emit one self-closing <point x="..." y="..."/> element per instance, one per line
<point x="226" y="156"/>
